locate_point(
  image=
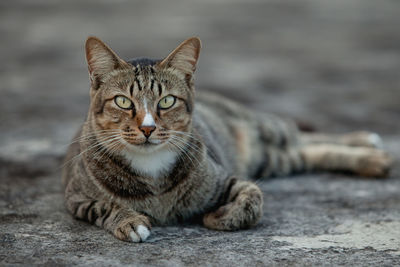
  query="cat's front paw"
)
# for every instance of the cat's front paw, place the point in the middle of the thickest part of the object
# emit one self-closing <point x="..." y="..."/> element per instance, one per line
<point x="135" y="229"/>
<point x="140" y="234"/>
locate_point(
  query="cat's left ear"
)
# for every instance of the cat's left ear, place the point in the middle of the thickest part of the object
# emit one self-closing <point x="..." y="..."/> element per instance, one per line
<point x="184" y="57"/>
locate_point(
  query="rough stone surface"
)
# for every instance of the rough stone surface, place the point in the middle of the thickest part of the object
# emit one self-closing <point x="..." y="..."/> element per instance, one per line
<point x="332" y="63"/>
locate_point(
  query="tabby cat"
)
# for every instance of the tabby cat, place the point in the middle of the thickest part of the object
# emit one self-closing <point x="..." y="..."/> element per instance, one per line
<point x="150" y="154"/>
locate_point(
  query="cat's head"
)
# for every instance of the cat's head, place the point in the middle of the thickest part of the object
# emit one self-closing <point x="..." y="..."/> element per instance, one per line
<point x="142" y="105"/>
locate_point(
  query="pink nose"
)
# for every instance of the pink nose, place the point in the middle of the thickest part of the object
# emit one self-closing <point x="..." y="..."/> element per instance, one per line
<point x="147" y="130"/>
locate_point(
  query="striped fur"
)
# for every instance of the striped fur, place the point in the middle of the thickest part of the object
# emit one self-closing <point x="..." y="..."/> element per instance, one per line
<point x="195" y="161"/>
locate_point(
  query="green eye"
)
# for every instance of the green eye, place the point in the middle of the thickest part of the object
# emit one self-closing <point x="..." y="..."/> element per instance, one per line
<point x="167" y="102"/>
<point x="123" y="102"/>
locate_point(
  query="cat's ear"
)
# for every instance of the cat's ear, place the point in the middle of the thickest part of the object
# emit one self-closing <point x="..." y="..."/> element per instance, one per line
<point x="100" y="59"/>
<point x="184" y="57"/>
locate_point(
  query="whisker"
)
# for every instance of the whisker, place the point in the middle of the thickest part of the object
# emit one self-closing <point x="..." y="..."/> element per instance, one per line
<point x="105" y="144"/>
<point x="193" y="137"/>
<point x="110" y="149"/>
<point x="189" y="135"/>
<point x="183" y="133"/>
<point x="191" y="144"/>
<point x="183" y="147"/>
<point x="94" y="133"/>
<point x="90" y="135"/>
<point x="99" y="137"/>
<point x="179" y="154"/>
<point x="96" y="144"/>
<point x="182" y="150"/>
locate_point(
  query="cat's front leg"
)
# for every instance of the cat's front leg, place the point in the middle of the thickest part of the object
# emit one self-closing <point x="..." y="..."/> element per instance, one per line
<point x="124" y="224"/>
<point x="242" y="209"/>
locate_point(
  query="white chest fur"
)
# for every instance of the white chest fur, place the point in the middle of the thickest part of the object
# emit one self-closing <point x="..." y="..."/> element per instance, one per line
<point x="153" y="164"/>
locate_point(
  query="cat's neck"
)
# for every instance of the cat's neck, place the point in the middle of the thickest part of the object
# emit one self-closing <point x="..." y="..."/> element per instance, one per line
<point x="153" y="164"/>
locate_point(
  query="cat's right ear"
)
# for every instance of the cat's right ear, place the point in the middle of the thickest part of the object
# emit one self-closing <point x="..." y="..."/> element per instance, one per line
<point x="101" y="60"/>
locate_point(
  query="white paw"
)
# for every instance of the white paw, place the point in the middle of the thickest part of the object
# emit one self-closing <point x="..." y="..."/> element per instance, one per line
<point x="363" y="139"/>
<point x="375" y="140"/>
<point x="140" y="235"/>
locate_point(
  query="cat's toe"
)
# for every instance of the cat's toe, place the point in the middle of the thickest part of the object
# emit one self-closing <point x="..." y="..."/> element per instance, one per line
<point x="375" y="140"/>
<point x="133" y="229"/>
<point x="363" y="139"/>
<point x="140" y="234"/>
<point x="376" y="164"/>
<point x="244" y="212"/>
<point x="219" y="219"/>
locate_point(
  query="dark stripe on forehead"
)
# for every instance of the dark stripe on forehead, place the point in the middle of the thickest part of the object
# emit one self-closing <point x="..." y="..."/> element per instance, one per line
<point x="137" y="73"/>
<point x="131" y="89"/>
<point x="159" y="89"/>
<point x="138" y="83"/>
<point x="137" y="70"/>
<point x="151" y="84"/>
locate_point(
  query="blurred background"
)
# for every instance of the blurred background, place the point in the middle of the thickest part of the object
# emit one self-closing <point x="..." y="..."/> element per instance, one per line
<point x="334" y="64"/>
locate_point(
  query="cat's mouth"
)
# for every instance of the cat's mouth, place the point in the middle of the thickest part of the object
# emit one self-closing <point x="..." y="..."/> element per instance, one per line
<point x="144" y="146"/>
<point x="150" y="143"/>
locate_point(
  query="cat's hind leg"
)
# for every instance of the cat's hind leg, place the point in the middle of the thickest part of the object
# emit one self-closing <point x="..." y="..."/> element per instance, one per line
<point x="243" y="208"/>
<point x="359" y="138"/>
<point x="364" y="161"/>
<point x="357" y="152"/>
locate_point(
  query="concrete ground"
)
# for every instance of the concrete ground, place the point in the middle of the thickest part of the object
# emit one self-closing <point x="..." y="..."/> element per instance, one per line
<point x="334" y="64"/>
